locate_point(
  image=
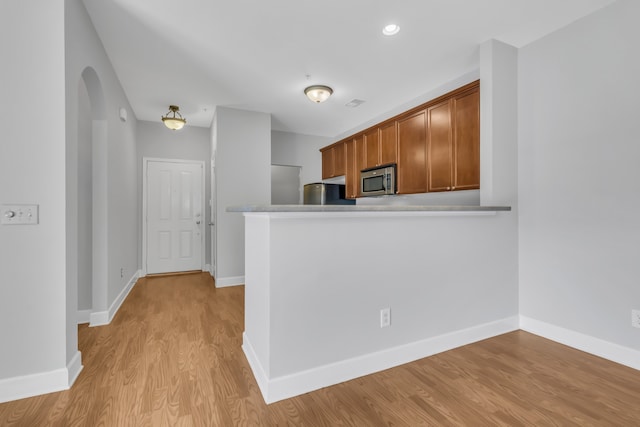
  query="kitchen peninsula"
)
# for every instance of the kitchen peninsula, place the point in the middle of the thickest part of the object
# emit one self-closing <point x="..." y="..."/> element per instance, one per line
<point x="318" y="279"/>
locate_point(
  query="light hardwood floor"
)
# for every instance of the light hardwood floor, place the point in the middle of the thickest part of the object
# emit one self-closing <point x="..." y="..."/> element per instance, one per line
<point x="172" y="356"/>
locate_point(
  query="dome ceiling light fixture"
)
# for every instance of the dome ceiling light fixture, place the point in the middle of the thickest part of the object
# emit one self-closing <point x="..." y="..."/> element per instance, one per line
<point x="175" y="121"/>
<point x="318" y="93"/>
<point x="391" y="29"/>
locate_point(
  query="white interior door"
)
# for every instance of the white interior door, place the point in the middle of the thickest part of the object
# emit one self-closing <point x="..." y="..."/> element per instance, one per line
<point x="174" y="222"/>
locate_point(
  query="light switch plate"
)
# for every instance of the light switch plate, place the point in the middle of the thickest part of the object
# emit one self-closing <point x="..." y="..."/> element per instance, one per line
<point x="18" y="214"/>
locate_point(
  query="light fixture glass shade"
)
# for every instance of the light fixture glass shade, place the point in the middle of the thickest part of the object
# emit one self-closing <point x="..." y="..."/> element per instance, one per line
<point x="391" y="29"/>
<point x="173" y="119"/>
<point x="318" y="93"/>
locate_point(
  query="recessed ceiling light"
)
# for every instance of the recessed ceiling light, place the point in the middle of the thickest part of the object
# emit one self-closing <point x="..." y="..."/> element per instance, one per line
<point x="391" y="29"/>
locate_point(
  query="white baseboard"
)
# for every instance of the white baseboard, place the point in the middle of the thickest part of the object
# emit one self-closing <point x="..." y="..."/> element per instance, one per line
<point x="207" y="268"/>
<point x="256" y="367"/>
<point x="74" y="367"/>
<point x="223" y="282"/>
<point x="84" y="316"/>
<point x="275" y="389"/>
<point x="41" y="383"/>
<point x="99" y="318"/>
<point x="605" y="349"/>
<point x="32" y="385"/>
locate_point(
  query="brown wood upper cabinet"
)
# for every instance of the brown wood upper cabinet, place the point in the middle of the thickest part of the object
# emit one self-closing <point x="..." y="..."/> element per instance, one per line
<point x="436" y="146"/>
<point x="412" y="159"/>
<point x="334" y="160"/>
<point x="389" y="143"/>
<point x="466" y="140"/>
<point x="439" y="147"/>
<point x="355" y="162"/>
<point x="453" y="143"/>
<point x="380" y="145"/>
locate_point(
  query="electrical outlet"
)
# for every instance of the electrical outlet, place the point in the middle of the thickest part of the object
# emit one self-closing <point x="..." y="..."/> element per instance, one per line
<point x="635" y="318"/>
<point x="121" y="272"/>
<point x="385" y="317"/>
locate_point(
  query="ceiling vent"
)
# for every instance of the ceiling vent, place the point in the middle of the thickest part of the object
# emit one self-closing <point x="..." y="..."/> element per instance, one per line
<point x="354" y="103"/>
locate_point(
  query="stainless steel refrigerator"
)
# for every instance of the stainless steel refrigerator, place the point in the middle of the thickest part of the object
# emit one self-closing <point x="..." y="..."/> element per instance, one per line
<point x="320" y="193"/>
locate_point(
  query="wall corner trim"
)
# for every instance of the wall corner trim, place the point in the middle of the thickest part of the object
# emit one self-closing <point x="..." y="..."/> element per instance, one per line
<point x="84" y="316"/>
<point x="74" y="367"/>
<point x="592" y="345"/>
<point x="100" y="318"/>
<point x="256" y="368"/>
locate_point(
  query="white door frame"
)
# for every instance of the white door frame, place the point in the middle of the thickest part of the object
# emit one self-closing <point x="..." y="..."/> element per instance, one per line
<point x="212" y="221"/>
<point x="145" y="162"/>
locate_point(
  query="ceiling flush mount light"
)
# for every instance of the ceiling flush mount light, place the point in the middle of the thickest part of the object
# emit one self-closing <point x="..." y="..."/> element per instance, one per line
<point x="175" y="121"/>
<point x="318" y="93"/>
<point x="391" y="29"/>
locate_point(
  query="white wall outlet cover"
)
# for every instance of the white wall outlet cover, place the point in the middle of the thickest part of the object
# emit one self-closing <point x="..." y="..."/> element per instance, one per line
<point x="123" y="114"/>
<point x="385" y="317"/>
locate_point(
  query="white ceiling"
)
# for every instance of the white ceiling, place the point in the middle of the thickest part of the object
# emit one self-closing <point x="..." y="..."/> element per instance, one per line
<point x="257" y="54"/>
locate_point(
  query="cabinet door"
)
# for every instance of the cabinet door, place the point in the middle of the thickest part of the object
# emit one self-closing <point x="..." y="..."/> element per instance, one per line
<point x="372" y="148"/>
<point x="351" y="177"/>
<point x="466" y="141"/>
<point x="327" y="163"/>
<point x="412" y="149"/>
<point x="361" y="161"/>
<point x="439" y="140"/>
<point x="339" y="159"/>
<point x="388" y="143"/>
<point x="334" y="161"/>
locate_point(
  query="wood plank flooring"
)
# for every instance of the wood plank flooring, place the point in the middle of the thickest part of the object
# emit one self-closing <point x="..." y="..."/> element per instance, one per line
<point x="172" y="356"/>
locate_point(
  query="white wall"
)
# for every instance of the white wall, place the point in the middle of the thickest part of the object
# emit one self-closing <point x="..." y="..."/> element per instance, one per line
<point x="51" y="44"/>
<point x="499" y="124"/>
<point x="121" y="216"/>
<point x="189" y="143"/>
<point x="420" y="280"/>
<point x="241" y="142"/>
<point x="294" y="149"/>
<point x="579" y="180"/>
<point x="32" y="171"/>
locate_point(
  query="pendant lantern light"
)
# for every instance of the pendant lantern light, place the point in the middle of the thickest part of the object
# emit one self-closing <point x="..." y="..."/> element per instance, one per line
<point x="173" y="119"/>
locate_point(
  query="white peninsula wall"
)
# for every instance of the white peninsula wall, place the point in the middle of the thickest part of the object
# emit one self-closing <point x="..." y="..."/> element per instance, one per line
<point x="316" y="282"/>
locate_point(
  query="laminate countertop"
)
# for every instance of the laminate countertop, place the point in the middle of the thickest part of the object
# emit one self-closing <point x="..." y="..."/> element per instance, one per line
<point x="361" y="208"/>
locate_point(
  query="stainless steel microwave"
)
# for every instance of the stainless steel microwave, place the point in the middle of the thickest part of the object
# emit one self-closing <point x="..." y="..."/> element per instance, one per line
<point x="378" y="181"/>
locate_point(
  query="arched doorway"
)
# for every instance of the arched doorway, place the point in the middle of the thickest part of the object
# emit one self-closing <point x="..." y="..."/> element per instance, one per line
<point x="92" y="196"/>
